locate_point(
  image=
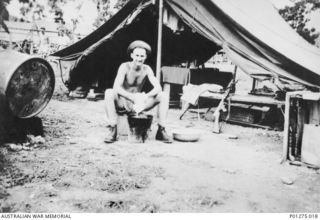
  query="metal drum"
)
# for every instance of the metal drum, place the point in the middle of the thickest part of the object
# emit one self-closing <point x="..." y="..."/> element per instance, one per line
<point x="27" y="82"/>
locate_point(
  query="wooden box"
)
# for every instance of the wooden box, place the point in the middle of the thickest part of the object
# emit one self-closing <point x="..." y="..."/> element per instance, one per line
<point x="302" y="118"/>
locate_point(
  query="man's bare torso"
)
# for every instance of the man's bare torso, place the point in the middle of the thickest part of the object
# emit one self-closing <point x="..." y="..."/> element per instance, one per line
<point x="134" y="78"/>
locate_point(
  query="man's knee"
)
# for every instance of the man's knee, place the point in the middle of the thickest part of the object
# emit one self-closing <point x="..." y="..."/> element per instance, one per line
<point x="109" y="94"/>
<point x="163" y="97"/>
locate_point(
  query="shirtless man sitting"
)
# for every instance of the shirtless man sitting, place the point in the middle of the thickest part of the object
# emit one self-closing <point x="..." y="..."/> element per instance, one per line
<point x="126" y="95"/>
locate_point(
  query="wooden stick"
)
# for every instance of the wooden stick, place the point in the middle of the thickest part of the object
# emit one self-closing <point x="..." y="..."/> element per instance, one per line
<point x="286" y="129"/>
<point x="216" y="114"/>
<point x="159" y="44"/>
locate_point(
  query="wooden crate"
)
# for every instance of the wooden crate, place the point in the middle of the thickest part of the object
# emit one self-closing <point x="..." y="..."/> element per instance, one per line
<point x="302" y="111"/>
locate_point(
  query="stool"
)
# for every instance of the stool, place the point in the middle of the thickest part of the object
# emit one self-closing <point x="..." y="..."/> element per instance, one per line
<point x="123" y="127"/>
<point x="125" y="133"/>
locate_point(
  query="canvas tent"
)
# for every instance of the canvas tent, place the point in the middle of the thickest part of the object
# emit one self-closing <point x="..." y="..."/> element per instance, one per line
<point x="252" y="33"/>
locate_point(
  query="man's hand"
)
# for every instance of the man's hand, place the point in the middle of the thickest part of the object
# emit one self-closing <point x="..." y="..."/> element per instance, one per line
<point x="139" y="102"/>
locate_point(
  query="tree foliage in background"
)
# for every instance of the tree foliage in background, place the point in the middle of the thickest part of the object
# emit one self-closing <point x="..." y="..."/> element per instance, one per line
<point x="103" y="8"/>
<point x="4" y="15"/>
<point x="297" y="17"/>
<point x="57" y="10"/>
<point x="120" y="3"/>
<point x="31" y="10"/>
<point x="105" y="12"/>
<point x="36" y="8"/>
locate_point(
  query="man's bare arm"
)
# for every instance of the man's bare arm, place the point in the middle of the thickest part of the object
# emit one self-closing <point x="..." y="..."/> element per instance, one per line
<point x="155" y="83"/>
<point x="118" y="84"/>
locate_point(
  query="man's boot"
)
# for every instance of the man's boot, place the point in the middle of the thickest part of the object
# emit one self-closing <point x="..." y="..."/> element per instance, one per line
<point x="111" y="134"/>
<point x="162" y="135"/>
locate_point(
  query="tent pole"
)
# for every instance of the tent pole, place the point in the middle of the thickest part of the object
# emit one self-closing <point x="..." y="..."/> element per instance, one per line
<point x="159" y="44"/>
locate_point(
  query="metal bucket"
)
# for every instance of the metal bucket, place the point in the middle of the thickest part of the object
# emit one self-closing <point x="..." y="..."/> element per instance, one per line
<point x="139" y="127"/>
<point x="27" y="82"/>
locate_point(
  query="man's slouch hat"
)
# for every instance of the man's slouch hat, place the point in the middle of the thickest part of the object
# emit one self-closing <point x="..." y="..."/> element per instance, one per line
<point x="139" y="44"/>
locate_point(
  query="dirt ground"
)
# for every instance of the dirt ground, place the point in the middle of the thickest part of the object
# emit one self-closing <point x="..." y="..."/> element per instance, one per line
<point x="73" y="170"/>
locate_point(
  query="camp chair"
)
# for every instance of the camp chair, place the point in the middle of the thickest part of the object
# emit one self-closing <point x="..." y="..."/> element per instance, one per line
<point x="216" y="83"/>
<point x="192" y="93"/>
